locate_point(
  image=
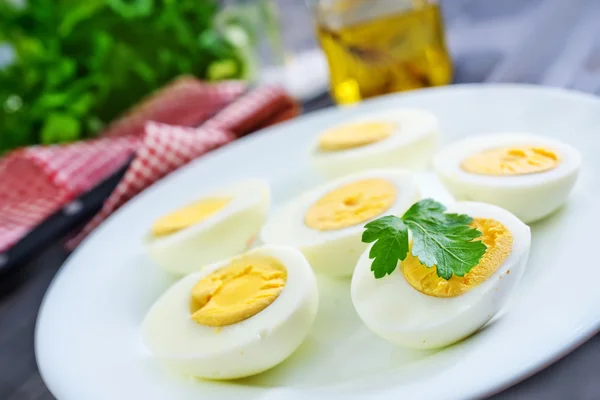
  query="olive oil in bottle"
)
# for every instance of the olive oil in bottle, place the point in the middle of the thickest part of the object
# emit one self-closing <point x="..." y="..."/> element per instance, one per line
<point x="376" y="47"/>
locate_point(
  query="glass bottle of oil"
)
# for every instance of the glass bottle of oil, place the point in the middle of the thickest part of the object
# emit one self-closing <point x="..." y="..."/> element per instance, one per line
<point x="376" y="47"/>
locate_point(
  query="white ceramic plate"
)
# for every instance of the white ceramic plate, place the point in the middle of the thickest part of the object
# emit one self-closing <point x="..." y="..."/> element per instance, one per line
<point x="88" y="337"/>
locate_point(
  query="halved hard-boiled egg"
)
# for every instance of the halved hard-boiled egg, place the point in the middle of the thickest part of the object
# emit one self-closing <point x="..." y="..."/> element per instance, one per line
<point x="216" y="226"/>
<point x="405" y="138"/>
<point x="235" y="318"/>
<point x="414" y="307"/>
<point x="326" y="223"/>
<point x="529" y="175"/>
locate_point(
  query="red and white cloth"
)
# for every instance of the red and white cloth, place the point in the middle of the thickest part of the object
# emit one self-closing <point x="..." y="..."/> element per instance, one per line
<point x="177" y="124"/>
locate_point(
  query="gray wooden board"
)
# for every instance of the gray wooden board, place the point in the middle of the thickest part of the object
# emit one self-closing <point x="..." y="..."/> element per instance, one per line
<point x="549" y="42"/>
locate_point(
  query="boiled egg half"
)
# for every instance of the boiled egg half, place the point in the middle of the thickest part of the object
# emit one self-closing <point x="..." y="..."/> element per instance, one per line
<point x="216" y="226"/>
<point x="413" y="307"/>
<point x="234" y="318"/>
<point x="529" y="175"/>
<point x="404" y="138"/>
<point x="326" y="223"/>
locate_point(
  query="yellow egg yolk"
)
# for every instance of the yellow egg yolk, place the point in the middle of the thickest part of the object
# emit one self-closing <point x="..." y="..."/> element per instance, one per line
<point x="238" y="291"/>
<point x="499" y="241"/>
<point x="355" y="135"/>
<point x="517" y="160"/>
<point x="351" y="204"/>
<point x="188" y="216"/>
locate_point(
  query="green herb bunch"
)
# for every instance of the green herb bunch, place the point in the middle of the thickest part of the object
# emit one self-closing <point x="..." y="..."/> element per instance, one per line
<point x="78" y="64"/>
<point x="439" y="239"/>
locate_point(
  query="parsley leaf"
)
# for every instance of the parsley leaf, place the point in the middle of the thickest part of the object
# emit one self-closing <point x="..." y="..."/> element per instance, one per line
<point x="450" y="248"/>
<point x="440" y="239"/>
<point x="391" y="235"/>
<point x="432" y="210"/>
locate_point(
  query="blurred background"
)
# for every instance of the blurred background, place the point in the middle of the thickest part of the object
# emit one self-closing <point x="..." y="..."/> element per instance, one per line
<point x="69" y="68"/>
<point x="75" y="75"/>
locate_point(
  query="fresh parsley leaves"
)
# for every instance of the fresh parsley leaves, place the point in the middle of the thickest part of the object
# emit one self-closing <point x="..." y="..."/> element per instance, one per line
<point x="391" y="235"/>
<point x="439" y="239"/>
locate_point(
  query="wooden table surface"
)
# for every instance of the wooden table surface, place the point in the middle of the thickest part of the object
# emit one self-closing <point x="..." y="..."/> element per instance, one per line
<point x="548" y="42"/>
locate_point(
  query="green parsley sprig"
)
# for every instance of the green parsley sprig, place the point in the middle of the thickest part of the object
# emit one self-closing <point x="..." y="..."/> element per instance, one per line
<point x="440" y="239"/>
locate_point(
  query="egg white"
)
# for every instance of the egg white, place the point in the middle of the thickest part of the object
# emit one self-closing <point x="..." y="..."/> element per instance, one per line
<point x="411" y="146"/>
<point x="530" y="197"/>
<point x="224" y="234"/>
<point x="399" y="313"/>
<point x="246" y="348"/>
<point x="334" y="252"/>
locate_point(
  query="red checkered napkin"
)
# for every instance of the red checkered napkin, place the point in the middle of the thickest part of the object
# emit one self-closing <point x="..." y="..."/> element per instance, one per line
<point x="166" y="148"/>
<point x="18" y="209"/>
<point x="38" y="181"/>
<point x="185" y="102"/>
<point x="258" y="109"/>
